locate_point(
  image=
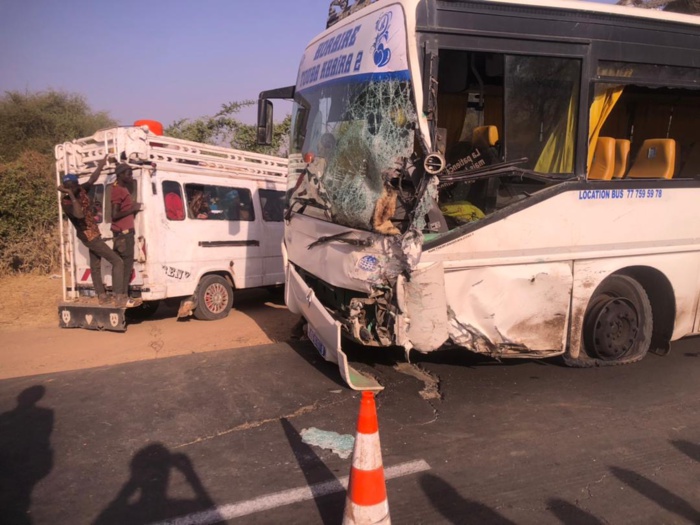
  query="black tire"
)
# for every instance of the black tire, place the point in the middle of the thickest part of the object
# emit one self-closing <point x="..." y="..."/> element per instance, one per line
<point x="617" y="325"/>
<point x="214" y="298"/>
<point x="144" y="311"/>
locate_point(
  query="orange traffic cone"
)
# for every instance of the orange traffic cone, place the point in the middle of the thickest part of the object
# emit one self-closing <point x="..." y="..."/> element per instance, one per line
<point x="366" y="502"/>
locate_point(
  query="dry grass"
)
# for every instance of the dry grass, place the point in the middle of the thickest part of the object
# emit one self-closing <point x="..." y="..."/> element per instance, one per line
<point x="29" y="301"/>
<point x="36" y="251"/>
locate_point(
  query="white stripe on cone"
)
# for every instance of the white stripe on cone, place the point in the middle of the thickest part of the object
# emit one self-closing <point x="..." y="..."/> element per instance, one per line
<point x="367" y="453"/>
<point x="366" y="514"/>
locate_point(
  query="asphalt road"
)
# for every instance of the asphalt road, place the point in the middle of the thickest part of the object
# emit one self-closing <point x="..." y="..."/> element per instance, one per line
<point x="520" y="442"/>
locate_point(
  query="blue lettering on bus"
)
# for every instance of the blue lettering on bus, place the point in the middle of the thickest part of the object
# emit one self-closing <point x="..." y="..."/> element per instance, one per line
<point x="337" y="43"/>
<point x="587" y="195"/>
<point x="358" y="61"/>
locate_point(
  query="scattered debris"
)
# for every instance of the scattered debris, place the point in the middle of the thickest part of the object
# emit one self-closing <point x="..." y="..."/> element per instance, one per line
<point x="432" y="383"/>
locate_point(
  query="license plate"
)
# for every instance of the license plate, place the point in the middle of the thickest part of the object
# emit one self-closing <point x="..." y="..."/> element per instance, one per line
<point x="316" y="340"/>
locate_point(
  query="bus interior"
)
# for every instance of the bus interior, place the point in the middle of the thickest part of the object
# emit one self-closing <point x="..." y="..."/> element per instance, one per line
<point x="640" y="127"/>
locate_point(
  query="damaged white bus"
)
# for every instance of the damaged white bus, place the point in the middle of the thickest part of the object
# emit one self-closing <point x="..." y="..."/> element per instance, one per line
<point x="517" y="178"/>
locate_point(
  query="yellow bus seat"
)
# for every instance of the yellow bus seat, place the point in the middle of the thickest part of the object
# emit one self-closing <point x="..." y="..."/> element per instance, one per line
<point x="622" y="154"/>
<point x="485" y="136"/>
<point x="656" y="159"/>
<point x="603" y="164"/>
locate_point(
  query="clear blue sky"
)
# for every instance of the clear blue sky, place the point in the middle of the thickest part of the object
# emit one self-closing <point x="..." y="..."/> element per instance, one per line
<point x="155" y="59"/>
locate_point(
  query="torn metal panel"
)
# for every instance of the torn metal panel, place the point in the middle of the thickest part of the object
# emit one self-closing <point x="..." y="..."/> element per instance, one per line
<point x="423" y="305"/>
<point x="510" y="310"/>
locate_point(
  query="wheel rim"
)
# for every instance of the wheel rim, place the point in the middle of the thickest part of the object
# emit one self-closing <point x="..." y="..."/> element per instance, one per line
<point x="615" y="329"/>
<point x="216" y="298"/>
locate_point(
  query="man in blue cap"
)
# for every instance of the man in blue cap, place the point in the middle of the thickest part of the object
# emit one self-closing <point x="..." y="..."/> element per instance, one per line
<point x="78" y="208"/>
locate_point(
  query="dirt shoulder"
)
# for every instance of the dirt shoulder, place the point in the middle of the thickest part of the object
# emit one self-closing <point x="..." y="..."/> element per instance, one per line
<point x="32" y="343"/>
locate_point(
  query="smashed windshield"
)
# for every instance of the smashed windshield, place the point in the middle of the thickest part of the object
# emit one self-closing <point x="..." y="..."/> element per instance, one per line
<point x="353" y="123"/>
<point x="352" y="136"/>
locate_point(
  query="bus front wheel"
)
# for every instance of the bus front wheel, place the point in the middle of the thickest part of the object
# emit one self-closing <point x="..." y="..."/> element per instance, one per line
<point x="617" y="326"/>
<point x="214" y="298"/>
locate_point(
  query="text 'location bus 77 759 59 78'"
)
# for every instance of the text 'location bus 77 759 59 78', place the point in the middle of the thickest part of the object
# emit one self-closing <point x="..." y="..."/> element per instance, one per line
<point x="516" y="178"/>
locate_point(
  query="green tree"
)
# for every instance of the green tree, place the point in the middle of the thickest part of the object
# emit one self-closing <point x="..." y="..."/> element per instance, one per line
<point x="31" y="124"/>
<point x="225" y="129"/>
<point x="39" y="121"/>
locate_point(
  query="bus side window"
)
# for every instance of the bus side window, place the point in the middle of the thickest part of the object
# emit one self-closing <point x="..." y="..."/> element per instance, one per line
<point x="247" y="213"/>
<point x="272" y="204"/>
<point x="174" y="205"/>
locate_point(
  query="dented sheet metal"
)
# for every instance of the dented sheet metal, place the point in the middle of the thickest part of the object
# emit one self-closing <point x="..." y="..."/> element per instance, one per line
<point x="422" y="301"/>
<point x="512" y="310"/>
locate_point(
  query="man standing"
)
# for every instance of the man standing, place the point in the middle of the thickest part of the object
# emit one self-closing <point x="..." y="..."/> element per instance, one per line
<point x="78" y="208"/>
<point x="123" y="211"/>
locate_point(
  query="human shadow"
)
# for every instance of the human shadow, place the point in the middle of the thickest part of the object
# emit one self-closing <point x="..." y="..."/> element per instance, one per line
<point x="144" y="497"/>
<point x="570" y="514"/>
<point x="455" y="508"/>
<point x="25" y="454"/>
<point x="657" y="493"/>
<point x="692" y="450"/>
<point x="322" y="481"/>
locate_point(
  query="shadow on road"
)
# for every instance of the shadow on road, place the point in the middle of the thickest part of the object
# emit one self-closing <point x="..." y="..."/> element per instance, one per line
<point x="308" y="353"/>
<point x="692" y="450"/>
<point x="25" y="454"/>
<point x="144" y="497"/>
<point x="330" y="508"/>
<point x="657" y="493"/>
<point x="569" y="513"/>
<point x="455" y="508"/>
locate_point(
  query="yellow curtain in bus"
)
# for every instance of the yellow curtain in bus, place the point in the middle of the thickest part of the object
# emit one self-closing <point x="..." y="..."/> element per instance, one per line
<point x="603" y="103"/>
<point x="558" y="154"/>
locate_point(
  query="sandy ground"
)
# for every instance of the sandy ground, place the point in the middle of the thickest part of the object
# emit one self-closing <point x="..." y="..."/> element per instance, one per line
<point x="31" y="342"/>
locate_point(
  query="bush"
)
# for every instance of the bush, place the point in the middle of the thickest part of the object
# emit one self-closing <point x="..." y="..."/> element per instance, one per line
<point x="39" y="121"/>
<point x="28" y="214"/>
<point x="31" y="124"/>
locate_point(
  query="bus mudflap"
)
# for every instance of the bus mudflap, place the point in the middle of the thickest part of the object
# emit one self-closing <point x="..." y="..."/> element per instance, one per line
<point x="91" y="317"/>
<point x="323" y="331"/>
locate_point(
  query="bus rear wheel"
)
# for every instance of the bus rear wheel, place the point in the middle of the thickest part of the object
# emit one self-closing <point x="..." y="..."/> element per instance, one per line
<point x="214" y="298"/>
<point x="617" y="326"/>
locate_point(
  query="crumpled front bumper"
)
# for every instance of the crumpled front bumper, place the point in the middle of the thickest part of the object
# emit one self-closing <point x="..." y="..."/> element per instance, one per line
<point x="323" y="330"/>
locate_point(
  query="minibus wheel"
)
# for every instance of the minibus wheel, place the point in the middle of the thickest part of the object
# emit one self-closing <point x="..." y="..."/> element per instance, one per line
<point x="617" y="326"/>
<point x="214" y="298"/>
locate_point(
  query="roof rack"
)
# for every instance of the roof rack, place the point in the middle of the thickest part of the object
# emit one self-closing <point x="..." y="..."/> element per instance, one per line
<point x="138" y="146"/>
<point x="340" y="9"/>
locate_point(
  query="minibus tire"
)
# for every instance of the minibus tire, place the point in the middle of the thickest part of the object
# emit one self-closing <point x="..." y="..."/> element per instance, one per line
<point x="618" y="323"/>
<point x="214" y="298"/>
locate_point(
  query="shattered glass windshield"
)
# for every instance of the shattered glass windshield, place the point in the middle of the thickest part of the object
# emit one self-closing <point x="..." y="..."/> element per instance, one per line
<point x="353" y="122"/>
<point x="352" y="136"/>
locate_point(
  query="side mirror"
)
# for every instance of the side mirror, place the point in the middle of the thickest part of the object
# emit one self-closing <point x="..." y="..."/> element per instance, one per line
<point x="265" y="124"/>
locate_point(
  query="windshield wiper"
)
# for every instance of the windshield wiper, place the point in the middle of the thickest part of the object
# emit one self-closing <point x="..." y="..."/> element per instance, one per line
<point x="340" y="237"/>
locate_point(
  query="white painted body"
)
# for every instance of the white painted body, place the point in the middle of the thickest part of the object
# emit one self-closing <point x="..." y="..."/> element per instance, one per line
<point x="173" y="255"/>
<point x="512" y="281"/>
<point x="518" y="284"/>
